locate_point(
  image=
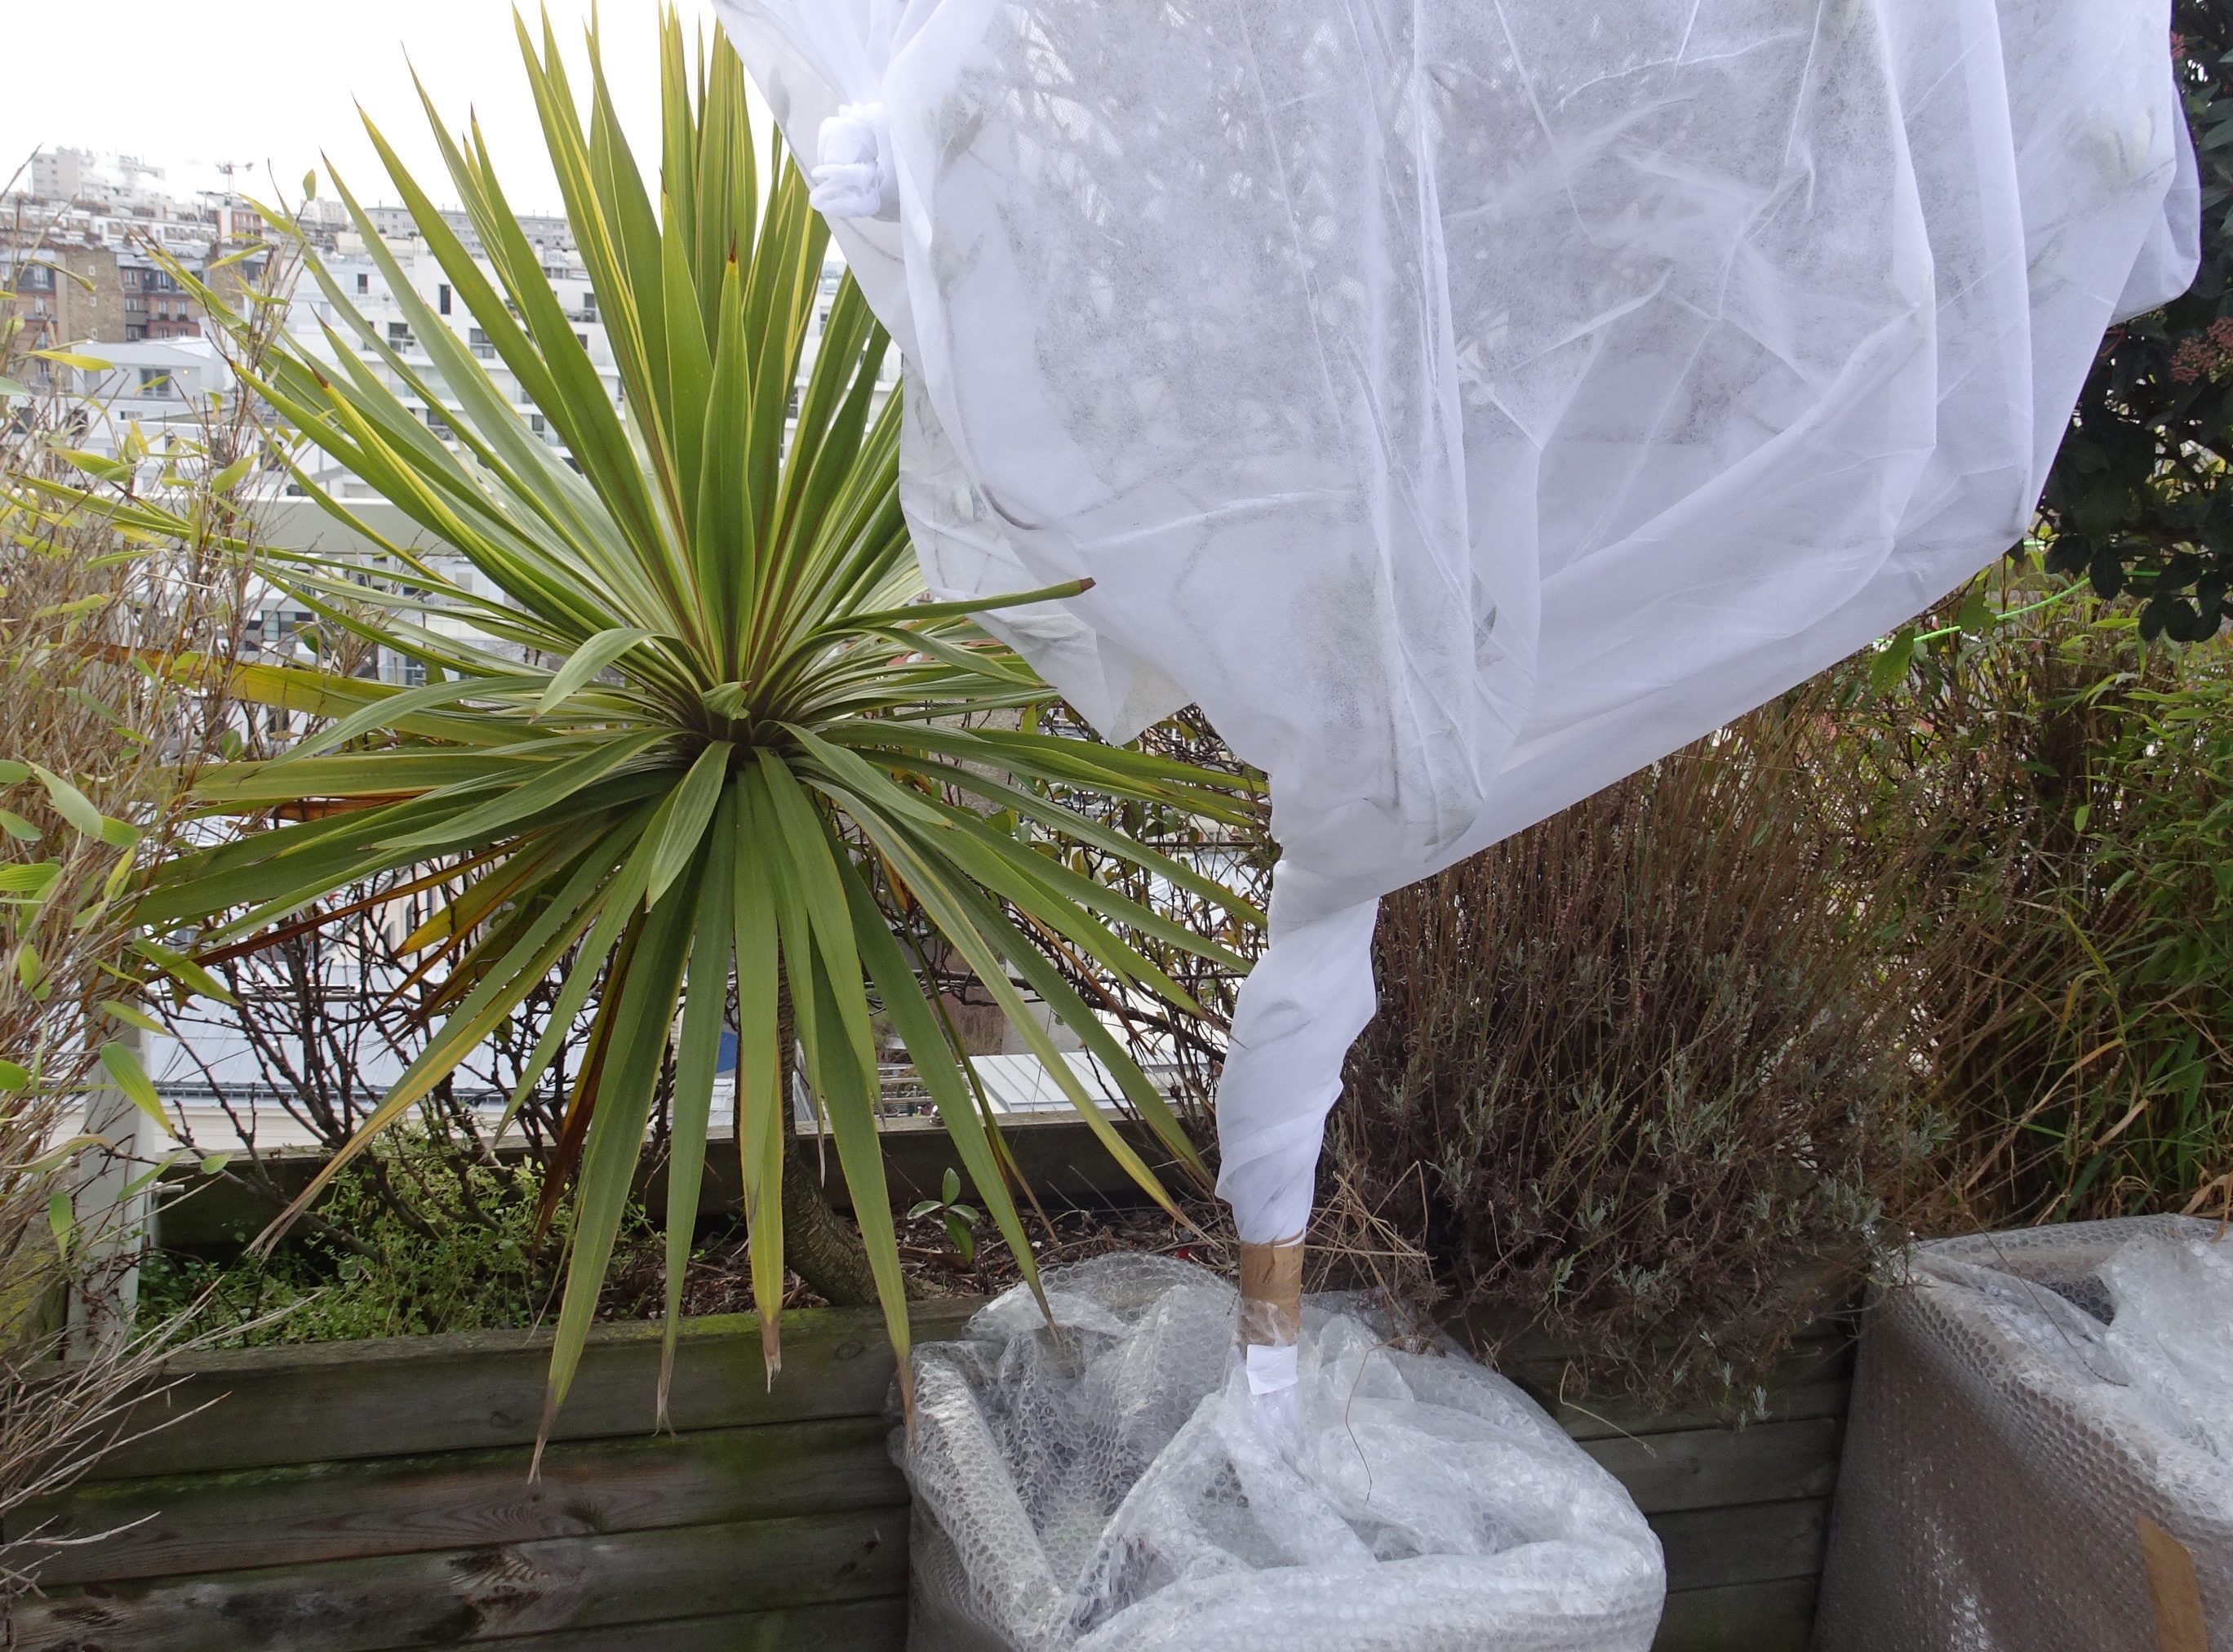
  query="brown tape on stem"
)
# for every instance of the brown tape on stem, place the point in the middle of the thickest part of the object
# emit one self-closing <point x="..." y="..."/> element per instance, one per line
<point x="1272" y="1294"/>
<point x="2178" y="1587"/>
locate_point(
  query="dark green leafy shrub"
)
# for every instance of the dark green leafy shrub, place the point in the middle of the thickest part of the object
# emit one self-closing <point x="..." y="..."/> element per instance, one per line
<point x="2139" y="501"/>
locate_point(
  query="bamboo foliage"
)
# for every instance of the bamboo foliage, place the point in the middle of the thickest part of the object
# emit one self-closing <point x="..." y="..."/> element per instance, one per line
<point x="759" y="743"/>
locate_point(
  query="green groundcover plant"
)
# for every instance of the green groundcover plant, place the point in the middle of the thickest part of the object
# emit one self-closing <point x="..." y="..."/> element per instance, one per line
<point x="393" y="1256"/>
<point x="761" y="771"/>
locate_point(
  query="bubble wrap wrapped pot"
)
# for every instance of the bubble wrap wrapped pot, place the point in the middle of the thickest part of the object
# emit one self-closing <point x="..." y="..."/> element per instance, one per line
<point x="2018" y="1409"/>
<point x="1115" y="1486"/>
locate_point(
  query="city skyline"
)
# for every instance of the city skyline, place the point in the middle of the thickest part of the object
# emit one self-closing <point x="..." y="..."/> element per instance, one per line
<point x="192" y="102"/>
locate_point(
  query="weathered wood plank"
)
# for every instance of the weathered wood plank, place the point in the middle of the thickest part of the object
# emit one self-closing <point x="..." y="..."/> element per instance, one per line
<point x="1757" y="1543"/>
<point x="1743" y="1618"/>
<point x="415" y="1524"/>
<point x="466" y="1597"/>
<point x="1813" y="1374"/>
<point x="483" y="1389"/>
<point x="851" y="1626"/>
<point x="1587" y="1419"/>
<point x="417" y="1395"/>
<point x="298" y="1514"/>
<point x="1513" y="1336"/>
<point x="1769" y="1462"/>
<point x="293" y="1515"/>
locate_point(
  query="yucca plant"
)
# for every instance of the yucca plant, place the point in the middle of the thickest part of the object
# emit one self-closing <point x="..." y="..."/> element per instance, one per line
<point x="761" y="762"/>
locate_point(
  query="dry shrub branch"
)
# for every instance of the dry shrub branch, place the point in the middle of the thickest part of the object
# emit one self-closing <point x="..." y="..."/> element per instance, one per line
<point x="2082" y="783"/>
<point x="1643" y="1072"/>
<point x="108" y="704"/>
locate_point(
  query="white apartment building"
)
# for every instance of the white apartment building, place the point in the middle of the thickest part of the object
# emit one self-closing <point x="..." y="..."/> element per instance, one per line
<point x="124" y="204"/>
<point x="366" y="288"/>
<point x="95" y="178"/>
<point x="163" y="386"/>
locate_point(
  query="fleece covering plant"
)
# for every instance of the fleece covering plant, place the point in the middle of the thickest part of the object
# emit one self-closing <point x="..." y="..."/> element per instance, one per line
<point x="761" y="765"/>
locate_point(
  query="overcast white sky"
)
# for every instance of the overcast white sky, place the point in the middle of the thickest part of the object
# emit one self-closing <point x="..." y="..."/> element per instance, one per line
<point x="271" y="83"/>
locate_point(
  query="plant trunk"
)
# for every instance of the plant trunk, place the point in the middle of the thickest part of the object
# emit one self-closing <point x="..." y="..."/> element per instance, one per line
<point x="819" y="1246"/>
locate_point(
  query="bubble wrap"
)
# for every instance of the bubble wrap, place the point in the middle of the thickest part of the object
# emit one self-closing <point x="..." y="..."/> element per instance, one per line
<point x="1116" y="1487"/>
<point x="2017" y="1408"/>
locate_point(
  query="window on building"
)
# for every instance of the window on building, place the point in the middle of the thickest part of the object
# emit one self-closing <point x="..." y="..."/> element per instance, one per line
<point x="399" y="337"/>
<point x="479" y="342"/>
<point x="437" y="424"/>
<point x="38" y="278"/>
<point x="537" y="423"/>
<point x="363" y="282"/>
<point x="442" y="298"/>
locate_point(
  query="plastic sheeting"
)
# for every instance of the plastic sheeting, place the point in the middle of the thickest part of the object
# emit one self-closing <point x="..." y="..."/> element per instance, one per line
<point x="2017" y="1410"/>
<point x="1109" y="1488"/>
<point x="1468" y="402"/>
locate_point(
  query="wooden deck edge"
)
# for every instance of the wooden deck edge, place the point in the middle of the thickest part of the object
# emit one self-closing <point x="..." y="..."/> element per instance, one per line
<point x="309" y="1514"/>
<point x="486" y="1593"/>
<point x="877" y="1625"/>
<point x="932" y="1318"/>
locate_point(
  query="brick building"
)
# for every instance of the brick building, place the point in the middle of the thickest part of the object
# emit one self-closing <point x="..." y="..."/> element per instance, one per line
<point x="65" y="291"/>
<point x="154" y="305"/>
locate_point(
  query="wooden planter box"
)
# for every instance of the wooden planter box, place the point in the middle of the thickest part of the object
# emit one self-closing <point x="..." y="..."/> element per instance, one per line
<point x="361" y="1497"/>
